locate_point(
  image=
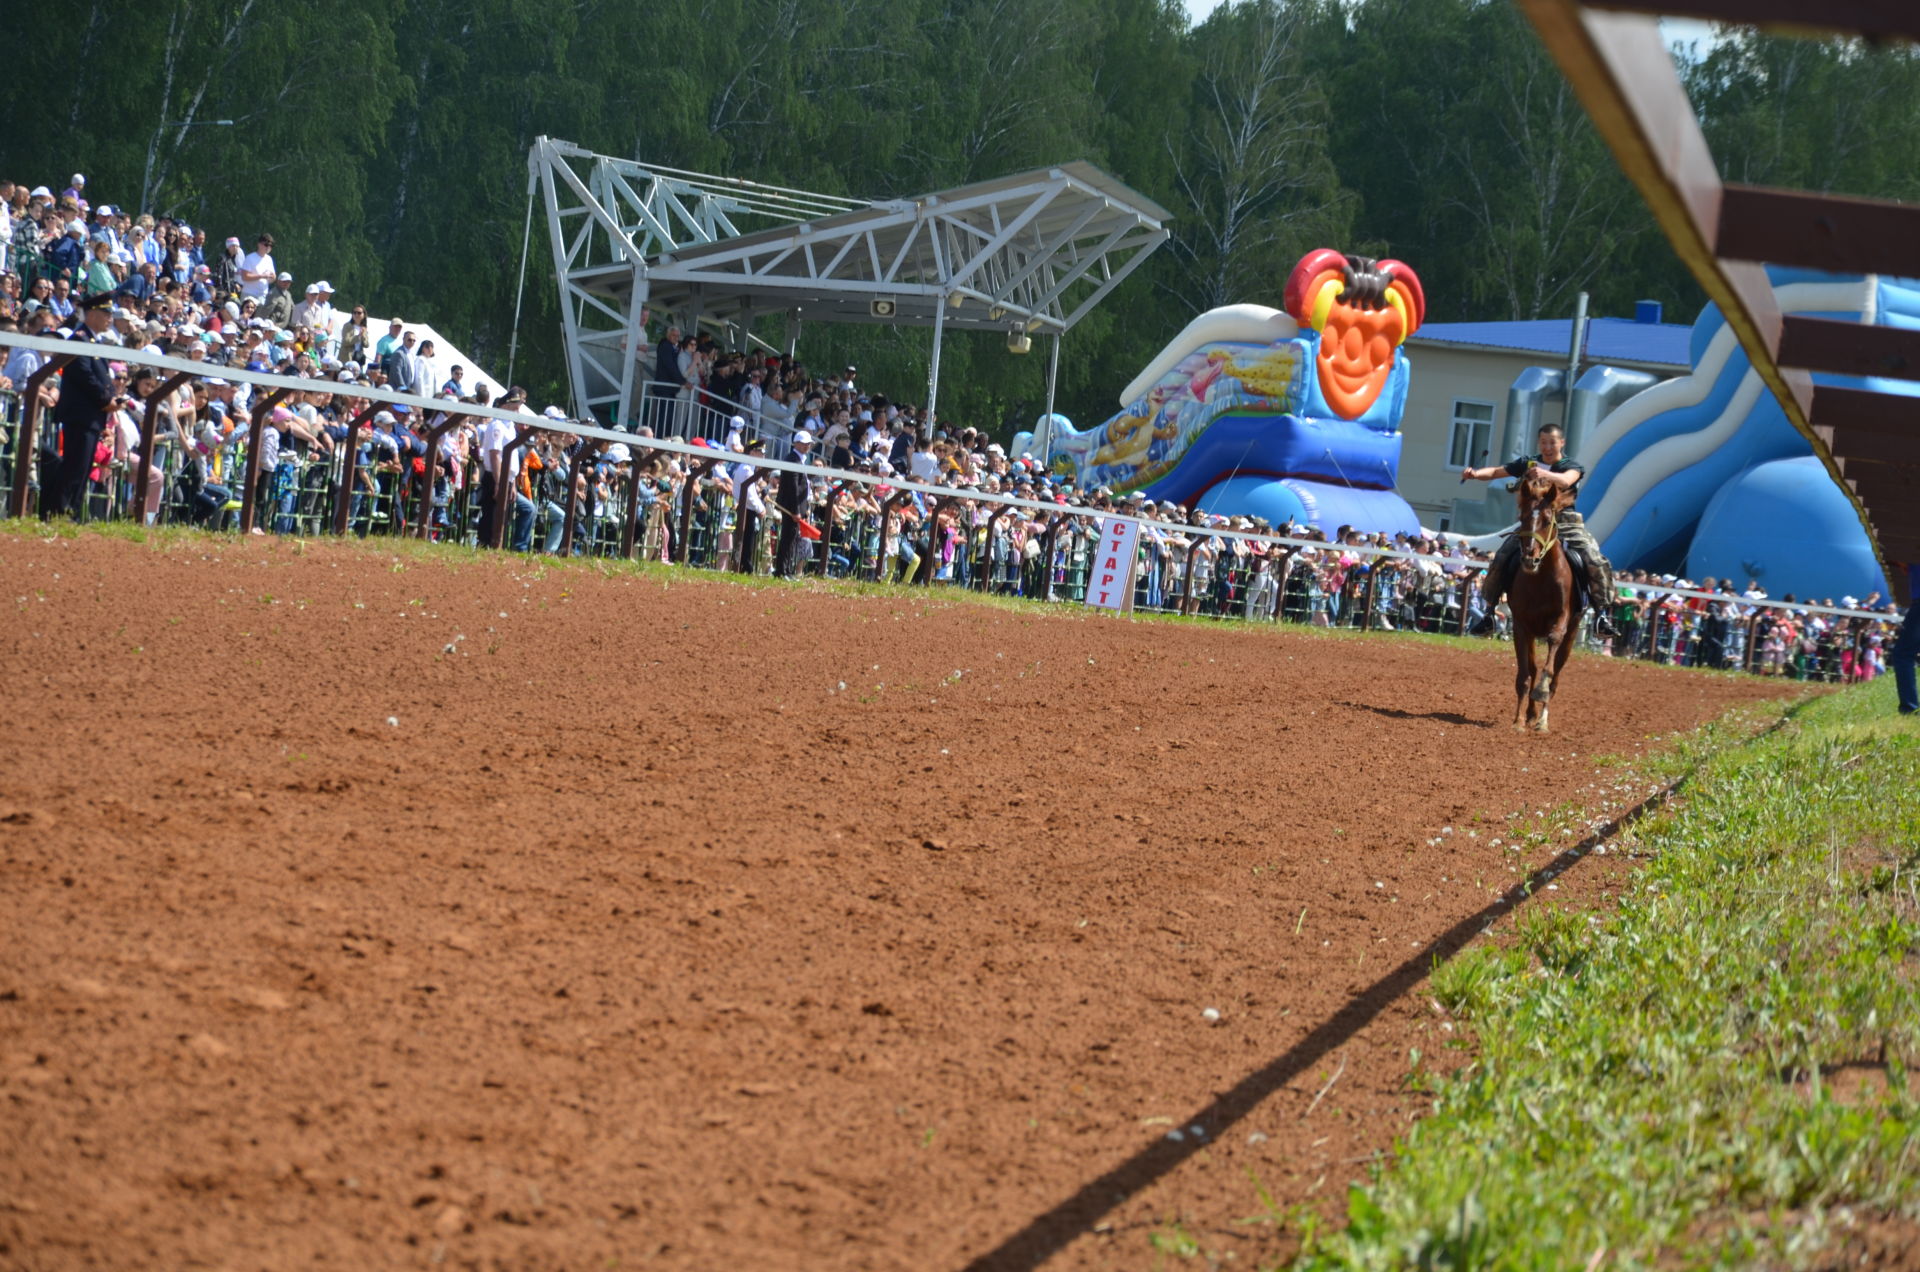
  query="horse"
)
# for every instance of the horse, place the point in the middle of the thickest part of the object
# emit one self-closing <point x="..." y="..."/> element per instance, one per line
<point x="1544" y="602"/>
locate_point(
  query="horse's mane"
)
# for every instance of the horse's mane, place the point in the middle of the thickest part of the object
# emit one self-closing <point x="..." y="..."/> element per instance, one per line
<point x="1535" y="489"/>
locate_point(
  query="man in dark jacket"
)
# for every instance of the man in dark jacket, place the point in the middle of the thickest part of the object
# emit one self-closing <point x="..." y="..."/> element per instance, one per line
<point x="666" y="384"/>
<point x="792" y="501"/>
<point x="86" y="393"/>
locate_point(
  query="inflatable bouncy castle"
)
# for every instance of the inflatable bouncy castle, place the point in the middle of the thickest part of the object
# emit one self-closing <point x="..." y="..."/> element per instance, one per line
<point x="1287" y="415"/>
<point x="1704" y="476"/>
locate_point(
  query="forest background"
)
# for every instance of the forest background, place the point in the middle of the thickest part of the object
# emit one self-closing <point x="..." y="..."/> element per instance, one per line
<point x="384" y="145"/>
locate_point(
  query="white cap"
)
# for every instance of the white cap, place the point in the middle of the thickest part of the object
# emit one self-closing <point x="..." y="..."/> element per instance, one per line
<point x="40" y="192"/>
<point x="78" y="178"/>
<point x="803" y="438"/>
<point x="313" y="289"/>
<point x="325" y="286"/>
<point x="554" y="413"/>
<point x="618" y="453"/>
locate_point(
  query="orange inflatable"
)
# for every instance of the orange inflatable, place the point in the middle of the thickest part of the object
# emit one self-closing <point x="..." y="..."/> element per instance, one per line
<point x="1363" y="310"/>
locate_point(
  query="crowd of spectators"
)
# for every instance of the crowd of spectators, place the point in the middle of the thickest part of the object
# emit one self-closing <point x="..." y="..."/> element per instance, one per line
<point x="236" y="307"/>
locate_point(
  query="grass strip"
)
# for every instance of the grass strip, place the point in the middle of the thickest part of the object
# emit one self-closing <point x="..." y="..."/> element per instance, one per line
<point x="1716" y="1074"/>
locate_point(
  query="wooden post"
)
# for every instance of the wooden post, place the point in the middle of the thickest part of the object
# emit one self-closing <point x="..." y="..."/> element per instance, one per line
<point x="24" y="456"/>
<point x="248" y="511"/>
<point x="343" y="502"/>
<point x="434" y="435"/>
<point x="683" y="549"/>
<point x="985" y="581"/>
<point x="147" y="428"/>
<point x="629" y="535"/>
<point x="744" y="555"/>
<point x="503" y="483"/>
<point x="573" y="503"/>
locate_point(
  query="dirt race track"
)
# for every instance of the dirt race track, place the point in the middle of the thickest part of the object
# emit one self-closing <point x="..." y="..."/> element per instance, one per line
<point x="372" y="912"/>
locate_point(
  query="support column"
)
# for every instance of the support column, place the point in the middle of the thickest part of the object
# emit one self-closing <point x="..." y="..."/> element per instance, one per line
<point x="1053" y="376"/>
<point x="630" y="371"/>
<point x="933" y="370"/>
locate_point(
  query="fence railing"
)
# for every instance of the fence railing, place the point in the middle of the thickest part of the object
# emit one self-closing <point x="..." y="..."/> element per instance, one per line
<point x="869" y="529"/>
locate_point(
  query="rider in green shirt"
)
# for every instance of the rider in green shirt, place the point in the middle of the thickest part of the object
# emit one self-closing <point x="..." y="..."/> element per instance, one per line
<point x="1566" y="472"/>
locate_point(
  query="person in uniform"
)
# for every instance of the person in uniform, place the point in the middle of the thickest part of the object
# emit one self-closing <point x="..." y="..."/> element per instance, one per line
<point x="1566" y="472"/>
<point x="86" y="395"/>
<point x="791" y="498"/>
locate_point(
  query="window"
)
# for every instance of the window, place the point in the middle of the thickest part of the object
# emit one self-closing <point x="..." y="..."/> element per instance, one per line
<point x="1472" y="434"/>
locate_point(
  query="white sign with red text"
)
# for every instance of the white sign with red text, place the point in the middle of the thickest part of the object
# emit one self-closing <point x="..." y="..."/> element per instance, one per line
<point x="1110" y="582"/>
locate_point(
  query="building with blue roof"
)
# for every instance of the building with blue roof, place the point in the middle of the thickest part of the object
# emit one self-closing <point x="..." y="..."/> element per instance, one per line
<point x="1465" y="387"/>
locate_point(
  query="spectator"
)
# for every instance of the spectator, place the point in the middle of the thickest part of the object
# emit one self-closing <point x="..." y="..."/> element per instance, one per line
<point x="227" y="270"/>
<point x="257" y="270"/>
<point x="278" y="306"/>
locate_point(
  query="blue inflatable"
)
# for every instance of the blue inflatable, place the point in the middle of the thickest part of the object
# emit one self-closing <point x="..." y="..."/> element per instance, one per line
<point x="1684" y="474"/>
<point x="1287" y="416"/>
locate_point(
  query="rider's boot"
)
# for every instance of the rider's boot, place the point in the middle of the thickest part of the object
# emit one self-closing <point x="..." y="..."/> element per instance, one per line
<point x="1603" y="594"/>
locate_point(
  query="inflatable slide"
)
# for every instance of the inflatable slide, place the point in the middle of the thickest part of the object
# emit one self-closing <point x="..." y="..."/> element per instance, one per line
<point x="1703" y="476"/>
<point x="1287" y="415"/>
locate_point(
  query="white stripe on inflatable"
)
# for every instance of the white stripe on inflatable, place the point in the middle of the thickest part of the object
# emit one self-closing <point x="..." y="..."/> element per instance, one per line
<point x="1247" y="324"/>
<point x="1668" y="456"/>
<point x="1693" y="388"/>
<point x="1671" y="454"/>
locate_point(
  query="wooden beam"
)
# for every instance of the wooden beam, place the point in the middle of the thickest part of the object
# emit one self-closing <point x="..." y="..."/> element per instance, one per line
<point x="1819" y="231"/>
<point x="1874" y="19"/>
<point x="1864" y="411"/>
<point x="1878" y="448"/>
<point x="1619" y="67"/>
<point x="1849" y="348"/>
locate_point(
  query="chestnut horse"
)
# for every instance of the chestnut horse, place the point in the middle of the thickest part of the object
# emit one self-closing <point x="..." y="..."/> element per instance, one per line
<point x="1544" y="602"/>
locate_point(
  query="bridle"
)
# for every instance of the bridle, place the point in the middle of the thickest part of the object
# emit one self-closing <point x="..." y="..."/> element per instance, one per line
<point x="1541" y="539"/>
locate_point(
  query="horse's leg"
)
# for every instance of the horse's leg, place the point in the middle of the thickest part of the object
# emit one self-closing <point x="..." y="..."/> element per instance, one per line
<point x="1562" y="651"/>
<point x="1556" y="653"/>
<point x="1523" y="674"/>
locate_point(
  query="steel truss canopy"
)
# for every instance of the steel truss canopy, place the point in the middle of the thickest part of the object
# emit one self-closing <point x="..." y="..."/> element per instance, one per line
<point x="1033" y="253"/>
<point x="1616" y="60"/>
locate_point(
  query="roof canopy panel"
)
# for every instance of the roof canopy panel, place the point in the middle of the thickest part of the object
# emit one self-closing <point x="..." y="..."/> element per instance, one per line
<point x="1034" y="251"/>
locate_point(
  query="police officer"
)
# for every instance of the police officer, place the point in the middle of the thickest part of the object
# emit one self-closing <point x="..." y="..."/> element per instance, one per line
<point x="86" y="395"/>
<point x="1565" y="472"/>
<point x="791" y="498"/>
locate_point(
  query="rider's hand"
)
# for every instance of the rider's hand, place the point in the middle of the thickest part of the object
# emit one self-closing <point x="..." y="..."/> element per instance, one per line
<point x="1466" y="474"/>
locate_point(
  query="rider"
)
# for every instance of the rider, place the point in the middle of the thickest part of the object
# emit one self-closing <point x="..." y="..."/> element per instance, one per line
<point x="1564" y="471"/>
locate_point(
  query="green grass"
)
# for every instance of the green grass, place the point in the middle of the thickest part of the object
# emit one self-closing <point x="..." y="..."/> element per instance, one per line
<point x="1716" y="1075"/>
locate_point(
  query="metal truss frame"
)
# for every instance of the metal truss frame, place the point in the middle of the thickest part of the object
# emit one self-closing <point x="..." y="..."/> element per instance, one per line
<point x="1029" y="253"/>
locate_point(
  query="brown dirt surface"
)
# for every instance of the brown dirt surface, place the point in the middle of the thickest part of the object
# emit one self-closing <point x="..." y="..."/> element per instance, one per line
<point x="364" y="910"/>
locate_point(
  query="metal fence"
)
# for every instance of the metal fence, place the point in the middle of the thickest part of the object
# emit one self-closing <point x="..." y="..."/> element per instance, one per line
<point x="683" y="500"/>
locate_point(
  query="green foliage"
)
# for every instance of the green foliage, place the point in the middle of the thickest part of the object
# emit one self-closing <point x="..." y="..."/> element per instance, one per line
<point x="1708" y="1077"/>
<point x="385" y="146"/>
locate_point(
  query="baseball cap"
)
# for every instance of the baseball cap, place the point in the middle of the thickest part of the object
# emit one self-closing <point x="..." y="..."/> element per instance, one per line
<point x="803" y="438"/>
<point x="313" y="289"/>
<point x="554" y="413"/>
<point x="285" y="277"/>
<point x="40" y="192"/>
<point x="325" y="286"/>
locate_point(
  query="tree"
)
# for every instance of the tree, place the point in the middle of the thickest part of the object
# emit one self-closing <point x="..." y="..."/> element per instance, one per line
<point x="1255" y="183"/>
